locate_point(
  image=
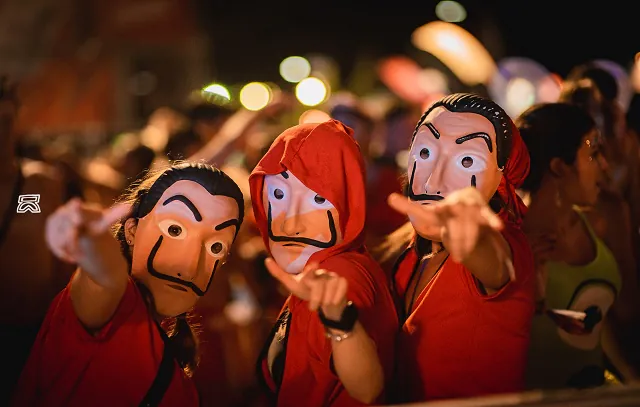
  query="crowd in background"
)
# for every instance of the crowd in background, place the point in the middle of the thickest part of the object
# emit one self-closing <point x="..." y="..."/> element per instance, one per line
<point x="235" y="316"/>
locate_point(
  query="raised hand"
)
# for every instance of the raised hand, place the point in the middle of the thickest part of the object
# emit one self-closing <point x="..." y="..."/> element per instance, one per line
<point x="459" y="221"/>
<point x="323" y="289"/>
<point x="79" y="233"/>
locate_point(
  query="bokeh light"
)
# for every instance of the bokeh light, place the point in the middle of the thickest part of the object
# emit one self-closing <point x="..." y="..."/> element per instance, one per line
<point x="625" y="92"/>
<point x="311" y="91"/>
<point x="255" y="96"/>
<point x="216" y="89"/>
<point x="294" y="69"/>
<point x="520" y="82"/>
<point x="451" y="11"/>
<point x="313" y="116"/>
<point x="433" y="81"/>
<point x="520" y="95"/>
<point x="458" y="49"/>
<point x="635" y="73"/>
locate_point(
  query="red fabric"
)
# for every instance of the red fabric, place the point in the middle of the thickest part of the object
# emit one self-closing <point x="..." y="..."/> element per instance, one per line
<point x="381" y="218"/>
<point x="69" y="367"/>
<point x="326" y="158"/>
<point x="460" y="343"/>
<point x="514" y="173"/>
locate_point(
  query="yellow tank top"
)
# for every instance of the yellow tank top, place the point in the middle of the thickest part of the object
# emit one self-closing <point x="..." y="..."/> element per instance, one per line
<point x="558" y="358"/>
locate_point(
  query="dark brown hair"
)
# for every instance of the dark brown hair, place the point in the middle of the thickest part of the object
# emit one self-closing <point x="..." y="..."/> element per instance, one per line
<point x="144" y="196"/>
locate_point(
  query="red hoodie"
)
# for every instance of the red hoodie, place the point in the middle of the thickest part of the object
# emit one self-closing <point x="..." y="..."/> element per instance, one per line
<point x="327" y="160"/>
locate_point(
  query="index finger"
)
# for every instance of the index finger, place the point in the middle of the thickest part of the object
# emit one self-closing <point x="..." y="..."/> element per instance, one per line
<point x="111" y="216"/>
<point x="403" y="205"/>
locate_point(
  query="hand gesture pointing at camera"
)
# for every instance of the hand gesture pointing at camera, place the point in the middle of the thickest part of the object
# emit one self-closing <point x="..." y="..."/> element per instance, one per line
<point x="323" y="289"/>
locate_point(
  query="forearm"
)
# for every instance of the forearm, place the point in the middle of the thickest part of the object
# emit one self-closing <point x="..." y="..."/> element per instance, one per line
<point x="357" y="365"/>
<point x="218" y="149"/>
<point x="96" y="291"/>
<point x="488" y="261"/>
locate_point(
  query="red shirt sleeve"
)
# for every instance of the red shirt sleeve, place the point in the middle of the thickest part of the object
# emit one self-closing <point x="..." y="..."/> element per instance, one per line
<point x="522" y="259"/>
<point x="62" y="324"/>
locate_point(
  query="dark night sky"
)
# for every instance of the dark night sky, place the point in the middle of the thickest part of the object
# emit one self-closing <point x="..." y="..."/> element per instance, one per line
<point x="251" y="40"/>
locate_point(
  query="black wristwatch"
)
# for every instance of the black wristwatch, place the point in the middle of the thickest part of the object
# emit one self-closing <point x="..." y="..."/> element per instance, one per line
<point x="347" y="320"/>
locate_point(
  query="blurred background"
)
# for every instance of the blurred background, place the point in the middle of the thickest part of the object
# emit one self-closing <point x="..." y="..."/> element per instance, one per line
<point x="109" y="89"/>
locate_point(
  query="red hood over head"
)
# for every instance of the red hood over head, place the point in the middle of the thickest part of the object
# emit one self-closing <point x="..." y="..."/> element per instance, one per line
<point x="326" y="159"/>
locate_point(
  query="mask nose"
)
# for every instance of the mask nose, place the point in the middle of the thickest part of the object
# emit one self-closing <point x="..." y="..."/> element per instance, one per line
<point x="292" y="224"/>
<point x="434" y="182"/>
<point x="198" y="260"/>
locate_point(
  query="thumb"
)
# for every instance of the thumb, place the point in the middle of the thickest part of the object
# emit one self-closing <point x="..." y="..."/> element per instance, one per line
<point x="279" y="274"/>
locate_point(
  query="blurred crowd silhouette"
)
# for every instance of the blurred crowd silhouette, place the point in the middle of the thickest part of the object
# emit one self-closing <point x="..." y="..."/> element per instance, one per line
<point x="237" y="314"/>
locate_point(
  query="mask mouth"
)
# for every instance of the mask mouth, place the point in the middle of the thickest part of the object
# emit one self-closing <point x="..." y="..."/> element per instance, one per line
<point x="293" y="245"/>
<point x="177" y="287"/>
<point x="303" y="240"/>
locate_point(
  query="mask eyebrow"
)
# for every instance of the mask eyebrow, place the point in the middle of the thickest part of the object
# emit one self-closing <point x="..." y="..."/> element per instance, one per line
<point x="187" y="202"/>
<point x="481" y="135"/>
<point x="284" y="175"/>
<point x="227" y="223"/>
<point x="433" y="129"/>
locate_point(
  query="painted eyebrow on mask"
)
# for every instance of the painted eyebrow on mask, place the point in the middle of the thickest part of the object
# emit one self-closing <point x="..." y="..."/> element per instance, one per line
<point x="187" y="202"/>
<point x="284" y="175"/>
<point x="227" y="223"/>
<point x="433" y="129"/>
<point x="481" y="135"/>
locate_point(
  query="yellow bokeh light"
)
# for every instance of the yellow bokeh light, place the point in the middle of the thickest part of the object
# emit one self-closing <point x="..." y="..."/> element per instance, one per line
<point x="311" y="91"/>
<point x="217" y="89"/>
<point x="458" y="49"/>
<point x="255" y="96"/>
<point x="294" y="69"/>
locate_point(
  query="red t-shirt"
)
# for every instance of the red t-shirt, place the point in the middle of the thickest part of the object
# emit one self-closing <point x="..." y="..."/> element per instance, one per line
<point x="308" y="378"/>
<point x="460" y="343"/>
<point x="69" y="367"/>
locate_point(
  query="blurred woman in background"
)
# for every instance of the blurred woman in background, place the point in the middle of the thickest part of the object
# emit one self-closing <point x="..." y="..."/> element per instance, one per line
<point x="579" y="279"/>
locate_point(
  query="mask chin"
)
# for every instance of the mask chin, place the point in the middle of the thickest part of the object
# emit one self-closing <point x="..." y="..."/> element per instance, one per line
<point x="176" y="308"/>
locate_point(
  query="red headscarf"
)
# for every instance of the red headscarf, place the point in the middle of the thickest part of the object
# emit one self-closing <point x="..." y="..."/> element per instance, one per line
<point x="513" y="175"/>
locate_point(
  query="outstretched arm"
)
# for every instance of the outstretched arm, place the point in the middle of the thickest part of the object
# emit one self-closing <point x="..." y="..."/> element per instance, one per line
<point x="354" y="353"/>
<point x="77" y="233"/>
<point x="469" y="230"/>
<point x="235" y="131"/>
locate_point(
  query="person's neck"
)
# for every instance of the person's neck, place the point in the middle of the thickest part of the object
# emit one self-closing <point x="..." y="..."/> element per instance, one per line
<point x="426" y="247"/>
<point x="544" y="215"/>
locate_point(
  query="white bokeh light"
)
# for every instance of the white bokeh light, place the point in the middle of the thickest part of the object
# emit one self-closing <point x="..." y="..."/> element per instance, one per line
<point x="294" y="69"/>
<point x="311" y="91"/>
